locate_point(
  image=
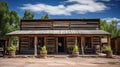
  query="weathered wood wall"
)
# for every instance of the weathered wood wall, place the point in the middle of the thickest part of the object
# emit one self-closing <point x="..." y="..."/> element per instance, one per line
<point x="51" y="44"/>
<point x="70" y="44"/>
<point x="115" y="44"/>
<point x="69" y="24"/>
<point x="24" y="42"/>
<point x="61" y="24"/>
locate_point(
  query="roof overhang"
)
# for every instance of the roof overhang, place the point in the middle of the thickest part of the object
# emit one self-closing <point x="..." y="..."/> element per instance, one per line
<point x="55" y="32"/>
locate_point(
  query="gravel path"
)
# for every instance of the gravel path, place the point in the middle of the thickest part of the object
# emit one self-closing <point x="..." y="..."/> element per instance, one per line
<point x="59" y="62"/>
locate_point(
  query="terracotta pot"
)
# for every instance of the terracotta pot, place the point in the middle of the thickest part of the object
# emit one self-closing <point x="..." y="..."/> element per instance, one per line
<point x="12" y="53"/>
<point x="43" y="53"/>
<point x="75" y="54"/>
<point x="109" y="54"/>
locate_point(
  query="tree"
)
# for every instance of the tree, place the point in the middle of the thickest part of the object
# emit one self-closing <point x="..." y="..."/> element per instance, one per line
<point x="28" y="15"/>
<point x="9" y="20"/>
<point x="46" y="16"/>
<point x="110" y="27"/>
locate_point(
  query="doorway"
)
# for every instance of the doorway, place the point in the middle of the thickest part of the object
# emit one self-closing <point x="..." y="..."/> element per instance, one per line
<point x="61" y="45"/>
<point x="40" y="44"/>
<point x="88" y="42"/>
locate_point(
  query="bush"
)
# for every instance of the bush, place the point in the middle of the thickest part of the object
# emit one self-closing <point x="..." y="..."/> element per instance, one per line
<point x="75" y="49"/>
<point x="12" y="48"/>
<point x="108" y="48"/>
<point x="43" y="48"/>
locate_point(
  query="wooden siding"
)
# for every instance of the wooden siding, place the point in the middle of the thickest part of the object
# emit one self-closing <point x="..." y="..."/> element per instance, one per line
<point x="35" y="25"/>
<point x="96" y="40"/>
<point x="50" y="43"/>
<point x="115" y="44"/>
<point x="24" y="43"/>
<point x="59" y="25"/>
<point x="70" y="43"/>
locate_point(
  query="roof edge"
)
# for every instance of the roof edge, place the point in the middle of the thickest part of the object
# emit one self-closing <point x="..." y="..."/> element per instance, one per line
<point x="71" y="19"/>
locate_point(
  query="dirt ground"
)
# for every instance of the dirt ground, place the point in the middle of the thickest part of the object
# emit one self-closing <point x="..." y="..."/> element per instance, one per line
<point x="59" y="62"/>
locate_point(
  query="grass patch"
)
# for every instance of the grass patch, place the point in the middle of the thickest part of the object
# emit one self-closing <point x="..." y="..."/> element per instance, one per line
<point x="113" y="62"/>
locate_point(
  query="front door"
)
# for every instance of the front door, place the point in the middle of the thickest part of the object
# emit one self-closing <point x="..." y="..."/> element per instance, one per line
<point x="61" y="44"/>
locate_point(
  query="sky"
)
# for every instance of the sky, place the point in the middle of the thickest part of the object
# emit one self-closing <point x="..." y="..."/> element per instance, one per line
<point x="103" y="9"/>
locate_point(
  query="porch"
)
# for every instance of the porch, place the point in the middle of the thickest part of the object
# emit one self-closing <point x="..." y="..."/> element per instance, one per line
<point x="60" y="41"/>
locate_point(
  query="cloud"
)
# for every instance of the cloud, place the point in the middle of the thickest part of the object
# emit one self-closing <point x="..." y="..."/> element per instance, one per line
<point x="79" y="7"/>
<point x="110" y="19"/>
<point x="106" y="0"/>
<point x="52" y="10"/>
<point x="114" y="18"/>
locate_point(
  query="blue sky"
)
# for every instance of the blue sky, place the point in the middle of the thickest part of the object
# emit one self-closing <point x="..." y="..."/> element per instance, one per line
<point x="104" y="9"/>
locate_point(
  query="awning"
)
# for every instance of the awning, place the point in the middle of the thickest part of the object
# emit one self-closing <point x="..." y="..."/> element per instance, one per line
<point x="34" y="32"/>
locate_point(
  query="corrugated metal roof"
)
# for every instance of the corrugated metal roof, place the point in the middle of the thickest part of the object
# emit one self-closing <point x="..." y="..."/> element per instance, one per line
<point x="22" y="32"/>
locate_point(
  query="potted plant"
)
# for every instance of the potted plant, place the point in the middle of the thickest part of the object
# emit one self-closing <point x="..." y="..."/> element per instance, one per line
<point x="43" y="52"/>
<point x="75" y="51"/>
<point x="108" y="51"/>
<point x="12" y="50"/>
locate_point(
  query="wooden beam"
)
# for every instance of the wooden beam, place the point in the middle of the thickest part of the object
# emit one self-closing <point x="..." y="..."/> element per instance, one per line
<point x="92" y="41"/>
<point x="82" y="44"/>
<point x="76" y="40"/>
<point x="9" y="41"/>
<point x="100" y="44"/>
<point x="56" y="44"/>
<point x="35" y="45"/>
<point x="19" y="44"/>
<point x="45" y="41"/>
<point x="108" y="40"/>
<point x="5" y="46"/>
<point x="116" y="45"/>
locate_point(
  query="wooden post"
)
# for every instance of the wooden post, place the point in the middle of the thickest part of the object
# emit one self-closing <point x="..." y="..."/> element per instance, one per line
<point x="45" y="42"/>
<point x="100" y="44"/>
<point x="76" y="40"/>
<point x="19" y="44"/>
<point x="5" y="46"/>
<point x="116" y="46"/>
<point x="9" y="41"/>
<point x="108" y="39"/>
<point x="82" y="44"/>
<point x="35" y="46"/>
<point x="92" y="41"/>
<point x="56" y="44"/>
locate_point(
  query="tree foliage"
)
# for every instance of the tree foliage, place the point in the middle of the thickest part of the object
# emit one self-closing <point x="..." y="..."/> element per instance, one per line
<point x="110" y="27"/>
<point x="28" y="15"/>
<point x="9" y="19"/>
<point x="46" y="16"/>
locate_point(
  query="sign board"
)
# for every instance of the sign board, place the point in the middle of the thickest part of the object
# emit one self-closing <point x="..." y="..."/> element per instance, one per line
<point x="104" y="40"/>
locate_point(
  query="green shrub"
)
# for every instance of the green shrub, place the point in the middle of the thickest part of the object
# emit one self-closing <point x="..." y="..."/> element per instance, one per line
<point x="75" y="48"/>
<point x="43" y="48"/>
<point x="108" y="48"/>
<point x="113" y="62"/>
<point x="12" y="48"/>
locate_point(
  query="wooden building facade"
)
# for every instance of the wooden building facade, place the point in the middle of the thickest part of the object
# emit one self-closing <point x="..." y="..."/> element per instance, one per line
<point x="60" y="35"/>
<point x="115" y="44"/>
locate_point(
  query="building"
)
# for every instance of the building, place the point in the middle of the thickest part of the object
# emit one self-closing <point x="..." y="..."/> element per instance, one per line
<point x="3" y="46"/>
<point x="115" y="44"/>
<point x="60" y="35"/>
